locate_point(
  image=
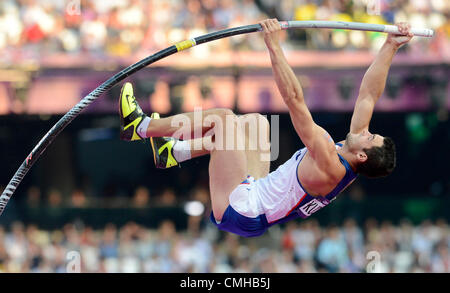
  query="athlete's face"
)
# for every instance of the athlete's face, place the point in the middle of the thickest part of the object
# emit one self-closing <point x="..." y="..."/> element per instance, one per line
<point x="356" y="143"/>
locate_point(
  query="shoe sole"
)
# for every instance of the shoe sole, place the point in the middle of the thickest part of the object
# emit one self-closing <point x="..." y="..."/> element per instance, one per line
<point x="154" y="151"/>
<point x="127" y="134"/>
<point x="153" y="148"/>
<point x="122" y="130"/>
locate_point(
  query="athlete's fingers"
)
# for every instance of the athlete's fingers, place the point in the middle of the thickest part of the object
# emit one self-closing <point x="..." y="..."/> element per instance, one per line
<point x="269" y="26"/>
<point x="403" y="27"/>
<point x="264" y="26"/>
<point x="272" y="25"/>
<point x="400" y="28"/>
<point x="408" y="30"/>
<point x="277" y="24"/>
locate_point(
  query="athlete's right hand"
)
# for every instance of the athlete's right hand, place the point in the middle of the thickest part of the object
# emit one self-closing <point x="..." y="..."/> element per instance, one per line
<point x="271" y="30"/>
<point x="404" y="37"/>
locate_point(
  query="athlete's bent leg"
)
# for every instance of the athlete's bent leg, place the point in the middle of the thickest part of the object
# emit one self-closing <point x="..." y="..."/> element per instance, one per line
<point x="257" y="144"/>
<point x="191" y="125"/>
<point x="227" y="168"/>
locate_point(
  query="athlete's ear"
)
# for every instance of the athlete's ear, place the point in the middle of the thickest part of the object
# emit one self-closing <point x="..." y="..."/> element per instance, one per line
<point x="361" y="156"/>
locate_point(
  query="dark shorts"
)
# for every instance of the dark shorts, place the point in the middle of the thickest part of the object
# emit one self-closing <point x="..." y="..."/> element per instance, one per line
<point x="241" y="225"/>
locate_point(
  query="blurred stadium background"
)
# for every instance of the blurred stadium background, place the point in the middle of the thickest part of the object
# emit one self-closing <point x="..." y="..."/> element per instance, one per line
<point x="122" y="215"/>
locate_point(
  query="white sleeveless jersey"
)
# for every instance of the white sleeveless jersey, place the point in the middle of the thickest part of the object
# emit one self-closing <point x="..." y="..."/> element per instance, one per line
<point x="280" y="194"/>
<point x="280" y="191"/>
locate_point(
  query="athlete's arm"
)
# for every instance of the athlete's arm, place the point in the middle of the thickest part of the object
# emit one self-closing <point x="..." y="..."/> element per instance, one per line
<point x="374" y="80"/>
<point x="315" y="138"/>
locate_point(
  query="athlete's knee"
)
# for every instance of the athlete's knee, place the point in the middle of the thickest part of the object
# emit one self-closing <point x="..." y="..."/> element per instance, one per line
<point x="219" y="115"/>
<point x="254" y="122"/>
<point x="263" y="122"/>
<point x="226" y="119"/>
<point x="255" y="116"/>
<point x="223" y="124"/>
<point x="224" y="113"/>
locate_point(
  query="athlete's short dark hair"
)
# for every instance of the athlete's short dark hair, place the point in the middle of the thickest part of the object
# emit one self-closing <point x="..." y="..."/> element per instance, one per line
<point x="380" y="160"/>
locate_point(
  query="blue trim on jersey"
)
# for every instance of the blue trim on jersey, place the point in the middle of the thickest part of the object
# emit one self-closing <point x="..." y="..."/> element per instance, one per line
<point x="296" y="174"/>
<point x="348" y="177"/>
<point x="247" y="180"/>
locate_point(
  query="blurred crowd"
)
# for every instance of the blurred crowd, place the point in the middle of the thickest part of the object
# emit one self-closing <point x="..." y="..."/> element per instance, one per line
<point x="300" y="247"/>
<point x="125" y="242"/>
<point x="31" y="29"/>
<point x="142" y="197"/>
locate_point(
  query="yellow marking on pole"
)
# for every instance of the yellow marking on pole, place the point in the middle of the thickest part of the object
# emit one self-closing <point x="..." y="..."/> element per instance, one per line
<point x="185" y="45"/>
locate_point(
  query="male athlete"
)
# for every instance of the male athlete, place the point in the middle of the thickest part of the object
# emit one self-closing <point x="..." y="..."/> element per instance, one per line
<point x="246" y="199"/>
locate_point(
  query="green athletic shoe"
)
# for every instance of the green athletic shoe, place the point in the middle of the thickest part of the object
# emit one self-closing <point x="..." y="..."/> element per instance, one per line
<point x="163" y="149"/>
<point x="131" y="115"/>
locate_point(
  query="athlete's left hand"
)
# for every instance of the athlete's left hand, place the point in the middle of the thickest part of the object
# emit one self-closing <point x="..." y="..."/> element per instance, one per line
<point x="271" y="30"/>
<point x="404" y="37"/>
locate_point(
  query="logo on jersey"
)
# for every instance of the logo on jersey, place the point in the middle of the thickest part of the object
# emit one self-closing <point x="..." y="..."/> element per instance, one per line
<point x="313" y="206"/>
<point x="248" y="180"/>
